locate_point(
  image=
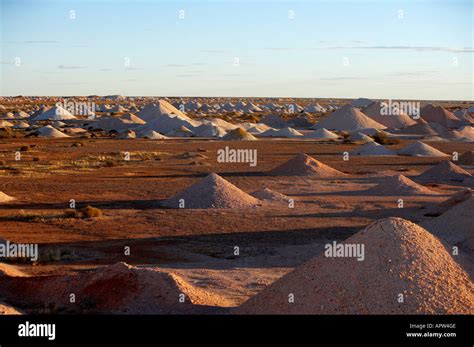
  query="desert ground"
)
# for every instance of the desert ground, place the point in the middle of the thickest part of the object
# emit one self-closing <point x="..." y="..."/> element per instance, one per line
<point x="135" y="254"/>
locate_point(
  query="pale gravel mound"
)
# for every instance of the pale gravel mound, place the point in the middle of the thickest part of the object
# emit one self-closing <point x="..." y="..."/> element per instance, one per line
<point x="212" y="192"/>
<point x="360" y="137"/>
<point x="399" y="185"/>
<point x="162" y="107"/>
<point x="152" y="135"/>
<point x="274" y="121"/>
<point x="129" y="134"/>
<point x="9" y="270"/>
<point x="267" y="194"/>
<point x="361" y="102"/>
<point x="442" y="207"/>
<point x="347" y="118"/>
<point x="439" y="115"/>
<point x="372" y="148"/>
<point x="7" y="309"/>
<point x="182" y="131"/>
<point x="54" y="113"/>
<point x="466" y="133"/>
<point x="455" y="225"/>
<point x="5" y="198"/>
<point x="238" y="134"/>
<point x="50" y="132"/>
<point x="321" y="134"/>
<point x="374" y="111"/>
<point x="118" y="288"/>
<point x="304" y="165"/>
<point x="5" y="124"/>
<point x="284" y="132"/>
<point x="420" y="149"/>
<point x="421" y="128"/>
<point x="466" y="158"/>
<point x="445" y="171"/>
<point x="400" y="258"/>
<point x="130" y="117"/>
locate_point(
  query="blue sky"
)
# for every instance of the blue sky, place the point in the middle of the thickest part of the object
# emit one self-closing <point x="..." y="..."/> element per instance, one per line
<point x="381" y="49"/>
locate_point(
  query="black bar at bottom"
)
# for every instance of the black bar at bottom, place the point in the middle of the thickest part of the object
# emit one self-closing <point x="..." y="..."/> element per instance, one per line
<point x="175" y="329"/>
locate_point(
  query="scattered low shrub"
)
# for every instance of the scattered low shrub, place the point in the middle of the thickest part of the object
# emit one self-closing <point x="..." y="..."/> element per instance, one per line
<point x="383" y="139"/>
<point x="110" y="163"/>
<point x="91" y="212"/>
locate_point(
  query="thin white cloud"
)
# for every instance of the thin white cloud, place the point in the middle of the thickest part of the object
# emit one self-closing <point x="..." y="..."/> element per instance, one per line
<point x="71" y="67"/>
<point x="39" y="41"/>
<point x="408" y="48"/>
<point x="342" y="78"/>
<point x="412" y="48"/>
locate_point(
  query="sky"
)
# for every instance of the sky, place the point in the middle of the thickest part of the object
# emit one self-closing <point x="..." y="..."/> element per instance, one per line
<point x="317" y="49"/>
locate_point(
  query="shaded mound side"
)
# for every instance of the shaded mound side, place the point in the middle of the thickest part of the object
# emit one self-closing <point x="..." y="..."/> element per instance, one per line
<point x="372" y="148"/>
<point x="466" y="158"/>
<point x="400" y="258"/>
<point x="444" y="172"/>
<point x="397" y="119"/>
<point x="399" y="185"/>
<point x="118" y="288"/>
<point x="212" y="192"/>
<point x="304" y="165"/>
<point x="442" y="207"/>
<point x="421" y="128"/>
<point x="267" y="194"/>
<point x="439" y="115"/>
<point x="455" y="225"/>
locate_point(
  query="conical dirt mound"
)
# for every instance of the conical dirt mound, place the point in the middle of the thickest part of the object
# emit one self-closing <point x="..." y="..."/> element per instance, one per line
<point x="445" y="171"/>
<point x="455" y="225"/>
<point x="419" y="129"/>
<point x="267" y="194"/>
<point x="446" y="205"/>
<point x="439" y="115"/>
<point x="8" y="309"/>
<point x="399" y="185"/>
<point x="238" y="134"/>
<point x="321" y="133"/>
<point x="348" y="118"/>
<point x="399" y="120"/>
<point x="304" y="165"/>
<point x="10" y="270"/>
<point x="400" y="258"/>
<point x="118" y="288"/>
<point x="50" y="132"/>
<point x="420" y="149"/>
<point x="5" y="198"/>
<point x="212" y="192"/>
